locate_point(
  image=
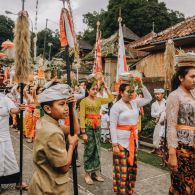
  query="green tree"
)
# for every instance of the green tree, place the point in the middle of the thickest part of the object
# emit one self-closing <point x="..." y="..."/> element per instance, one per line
<point x="51" y="37"/>
<point x="91" y="19"/>
<point x="138" y="15"/>
<point x="6" y="29"/>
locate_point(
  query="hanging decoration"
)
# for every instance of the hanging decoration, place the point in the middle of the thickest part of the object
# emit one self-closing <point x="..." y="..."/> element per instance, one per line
<point x="22" y="67"/>
<point x="98" y="55"/>
<point x="170" y="63"/>
<point x="22" y="48"/>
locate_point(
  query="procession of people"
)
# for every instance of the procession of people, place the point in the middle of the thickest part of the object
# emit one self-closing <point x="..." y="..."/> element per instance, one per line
<point x="57" y="113"/>
<point x="45" y="124"/>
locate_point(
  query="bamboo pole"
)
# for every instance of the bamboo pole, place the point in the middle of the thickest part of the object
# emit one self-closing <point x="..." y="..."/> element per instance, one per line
<point x="21" y="136"/>
<point x="74" y="169"/>
<point x="21" y="127"/>
<point x="22" y="69"/>
<point x="76" y="48"/>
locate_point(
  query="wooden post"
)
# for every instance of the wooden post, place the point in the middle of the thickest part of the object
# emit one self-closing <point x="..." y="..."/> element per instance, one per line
<point x="74" y="168"/>
<point x="21" y="135"/>
<point x="21" y="127"/>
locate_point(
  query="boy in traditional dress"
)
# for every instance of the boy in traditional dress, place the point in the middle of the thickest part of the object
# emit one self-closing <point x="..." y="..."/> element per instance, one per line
<point x="158" y="113"/>
<point x="50" y="156"/>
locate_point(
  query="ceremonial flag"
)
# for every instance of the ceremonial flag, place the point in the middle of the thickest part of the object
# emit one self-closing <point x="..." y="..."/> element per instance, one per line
<point x="68" y="40"/>
<point x="121" y="63"/>
<point x="66" y="29"/>
<point x="98" y="53"/>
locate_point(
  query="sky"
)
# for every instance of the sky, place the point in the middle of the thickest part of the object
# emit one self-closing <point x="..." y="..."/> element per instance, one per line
<point x="51" y="9"/>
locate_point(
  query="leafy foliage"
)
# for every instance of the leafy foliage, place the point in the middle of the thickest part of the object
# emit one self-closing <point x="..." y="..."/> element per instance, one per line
<point x="147" y="123"/>
<point x="51" y="37"/>
<point x="91" y="19"/>
<point x="138" y="15"/>
<point x="6" y="29"/>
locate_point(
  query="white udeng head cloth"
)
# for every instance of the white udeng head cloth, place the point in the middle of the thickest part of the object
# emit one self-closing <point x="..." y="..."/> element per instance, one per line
<point x="160" y="90"/>
<point x="55" y="92"/>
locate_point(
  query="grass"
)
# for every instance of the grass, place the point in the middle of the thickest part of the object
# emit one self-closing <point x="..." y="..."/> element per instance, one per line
<point x="143" y="156"/>
<point x="151" y="159"/>
<point x="106" y="145"/>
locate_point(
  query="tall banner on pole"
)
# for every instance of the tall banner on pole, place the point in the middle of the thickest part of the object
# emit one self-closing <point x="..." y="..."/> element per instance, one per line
<point x="98" y="54"/>
<point x="66" y="29"/>
<point x="121" y="63"/>
<point x="67" y="39"/>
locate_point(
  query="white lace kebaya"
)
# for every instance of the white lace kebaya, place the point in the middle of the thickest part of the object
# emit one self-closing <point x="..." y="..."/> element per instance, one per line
<point x="180" y="111"/>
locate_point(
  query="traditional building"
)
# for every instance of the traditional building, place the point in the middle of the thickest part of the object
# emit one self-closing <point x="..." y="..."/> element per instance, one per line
<point x="152" y="66"/>
<point x="109" y="50"/>
<point x="84" y="48"/>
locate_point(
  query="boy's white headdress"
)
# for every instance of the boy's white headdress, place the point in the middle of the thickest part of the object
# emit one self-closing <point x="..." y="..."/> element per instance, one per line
<point x="55" y="92"/>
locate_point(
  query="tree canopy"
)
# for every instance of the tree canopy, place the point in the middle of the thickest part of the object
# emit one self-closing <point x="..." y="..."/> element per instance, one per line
<point x="51" y="37"/>
<point x="138" y="15"/>
<point x="6" y="29"/>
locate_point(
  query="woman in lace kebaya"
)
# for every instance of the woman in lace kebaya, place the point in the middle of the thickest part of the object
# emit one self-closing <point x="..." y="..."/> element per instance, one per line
<point x="181" y="130"/>
<point x="124" y="116"/>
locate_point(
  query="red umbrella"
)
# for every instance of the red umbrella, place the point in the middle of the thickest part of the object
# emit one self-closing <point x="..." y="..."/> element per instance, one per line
<point x="2" y="55"/>
<point x="7" y="44"/>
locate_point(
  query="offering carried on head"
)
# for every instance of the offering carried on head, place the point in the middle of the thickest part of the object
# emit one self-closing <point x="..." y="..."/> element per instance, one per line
<point x="185" y="59"/>
<point x="126" y="76"/>
<point x="133" y="78"/>
<point x="96" y="79"/>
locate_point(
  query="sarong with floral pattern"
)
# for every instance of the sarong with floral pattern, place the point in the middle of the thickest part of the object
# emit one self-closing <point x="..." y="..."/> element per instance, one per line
<point x="183" y="181"/>
<point x="91" y="155"/>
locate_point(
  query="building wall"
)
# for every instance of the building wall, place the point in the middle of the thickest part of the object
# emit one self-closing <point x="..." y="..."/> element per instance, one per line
<point x="153" y="83"/>
<point x="152" y="65"/>
<point x="110" y="71"/>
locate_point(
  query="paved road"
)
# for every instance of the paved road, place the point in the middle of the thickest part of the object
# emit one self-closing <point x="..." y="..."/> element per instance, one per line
<point x="150" y="181"/>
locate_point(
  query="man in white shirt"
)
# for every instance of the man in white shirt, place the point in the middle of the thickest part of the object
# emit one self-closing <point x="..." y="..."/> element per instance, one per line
<point x="105" y="123"/>
<point x="158" y="113"/>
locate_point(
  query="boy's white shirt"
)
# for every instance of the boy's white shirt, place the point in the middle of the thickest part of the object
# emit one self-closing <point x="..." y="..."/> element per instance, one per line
<point x="104" y="120"/>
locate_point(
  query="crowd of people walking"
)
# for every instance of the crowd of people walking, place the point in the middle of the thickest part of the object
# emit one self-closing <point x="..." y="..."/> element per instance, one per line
<point x="47" y="125"/>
